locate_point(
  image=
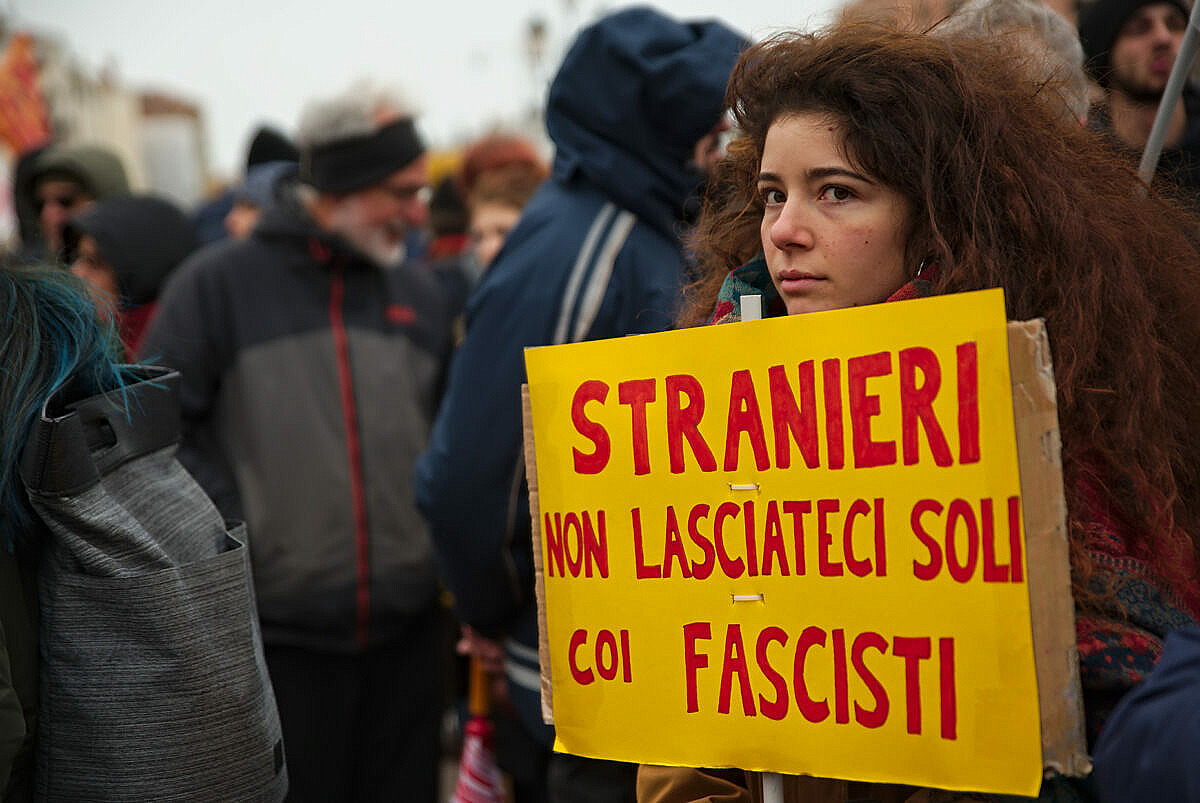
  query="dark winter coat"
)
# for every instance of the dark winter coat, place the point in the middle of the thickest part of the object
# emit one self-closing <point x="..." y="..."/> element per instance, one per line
<point x="595" y="254"/>
<point x="309" y="382"/>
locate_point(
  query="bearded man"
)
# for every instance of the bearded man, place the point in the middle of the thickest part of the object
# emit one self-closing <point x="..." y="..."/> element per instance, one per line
<point x="311" y="353"/>
<point x="1131" y="46"/>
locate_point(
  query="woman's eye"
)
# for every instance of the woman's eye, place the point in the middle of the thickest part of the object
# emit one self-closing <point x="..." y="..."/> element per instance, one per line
<point x="835" y="192"/>
<point x="772" y="196"/>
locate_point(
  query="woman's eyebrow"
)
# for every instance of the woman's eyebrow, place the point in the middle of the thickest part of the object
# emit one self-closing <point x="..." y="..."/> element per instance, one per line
<point x="832" y="172"/>
<point x="817" y="173"/>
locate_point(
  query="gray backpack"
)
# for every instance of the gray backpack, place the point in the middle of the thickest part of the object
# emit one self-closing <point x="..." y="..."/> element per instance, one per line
<point x="153" y="682"/>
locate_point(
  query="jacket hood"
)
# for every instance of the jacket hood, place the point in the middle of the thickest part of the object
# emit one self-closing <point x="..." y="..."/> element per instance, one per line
<point x="635" y="93"/>
<point x="142" y="237"/>
<point x="262" y="182"/>
<point x="96" y="169"/>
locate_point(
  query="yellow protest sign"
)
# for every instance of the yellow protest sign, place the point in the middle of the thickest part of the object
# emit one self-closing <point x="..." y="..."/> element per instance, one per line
<point x="792" y="545"/>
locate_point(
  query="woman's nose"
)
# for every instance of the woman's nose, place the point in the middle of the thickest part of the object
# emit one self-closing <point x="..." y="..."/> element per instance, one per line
<point x="792" y="228"/>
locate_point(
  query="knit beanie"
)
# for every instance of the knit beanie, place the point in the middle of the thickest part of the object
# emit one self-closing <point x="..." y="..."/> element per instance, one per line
<point x="1099" y="23"/>
<point x="351" y="164"/>
<point x="270" y="145"/>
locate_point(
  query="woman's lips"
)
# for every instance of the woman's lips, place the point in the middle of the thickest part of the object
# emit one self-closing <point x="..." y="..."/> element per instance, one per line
<point x="798" y="281"/>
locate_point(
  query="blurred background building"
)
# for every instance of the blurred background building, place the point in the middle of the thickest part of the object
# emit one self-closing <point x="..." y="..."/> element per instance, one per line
<point x="46" y="95"/>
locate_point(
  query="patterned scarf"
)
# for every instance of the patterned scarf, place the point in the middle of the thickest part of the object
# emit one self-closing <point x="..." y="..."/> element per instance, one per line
<point x="754" y="278"/>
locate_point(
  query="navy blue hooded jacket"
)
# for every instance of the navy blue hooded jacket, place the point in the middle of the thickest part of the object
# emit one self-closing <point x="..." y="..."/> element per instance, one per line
<point x="596" y="254"/>
<point x="1149" y="747"/>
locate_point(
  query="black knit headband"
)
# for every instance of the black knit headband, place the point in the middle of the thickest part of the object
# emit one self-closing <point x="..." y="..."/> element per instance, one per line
<point x="358" y="162"/>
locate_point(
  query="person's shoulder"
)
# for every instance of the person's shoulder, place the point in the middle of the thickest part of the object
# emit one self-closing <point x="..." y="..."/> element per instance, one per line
<point x="213" y="259"/>
<point x="651" y="250"/>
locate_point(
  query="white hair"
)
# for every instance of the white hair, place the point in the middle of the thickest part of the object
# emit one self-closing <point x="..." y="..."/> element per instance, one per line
<point x="363" y="107"/>
<point x="1050" y="42"/>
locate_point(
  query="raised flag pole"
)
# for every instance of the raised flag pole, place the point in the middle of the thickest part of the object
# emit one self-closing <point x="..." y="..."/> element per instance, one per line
<point x="1171" y="95"/>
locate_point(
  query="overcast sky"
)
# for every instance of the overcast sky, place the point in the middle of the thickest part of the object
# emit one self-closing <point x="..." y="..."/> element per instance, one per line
<point x="463" y="64"/>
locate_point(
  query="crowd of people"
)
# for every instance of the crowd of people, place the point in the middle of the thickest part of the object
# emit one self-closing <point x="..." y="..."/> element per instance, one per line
<point x="344" y="333"/>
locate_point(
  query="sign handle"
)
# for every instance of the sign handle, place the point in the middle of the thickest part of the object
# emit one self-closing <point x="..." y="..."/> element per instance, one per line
<point x="750" y="309"/>
<point x="772" y="787"/>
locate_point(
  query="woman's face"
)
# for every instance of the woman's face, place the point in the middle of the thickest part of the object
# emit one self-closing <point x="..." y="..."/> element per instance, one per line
<point x="833" y="237"/>
<point x="490" y="225"/>
<point x="101" y="279"/>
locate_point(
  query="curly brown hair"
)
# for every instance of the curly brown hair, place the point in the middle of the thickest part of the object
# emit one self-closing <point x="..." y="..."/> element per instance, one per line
<point x="1005" y="194"/>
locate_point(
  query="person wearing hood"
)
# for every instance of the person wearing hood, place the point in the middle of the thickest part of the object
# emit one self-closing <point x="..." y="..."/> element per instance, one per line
<point x="124" y="248"/>
<point x="311" y="356"/>
<point x="65" y="180"/>
<point x="262" y="185"/>
<point x="1131" y="47"/>
<point x="595" y="254"/>
<point x="267" y="146"/>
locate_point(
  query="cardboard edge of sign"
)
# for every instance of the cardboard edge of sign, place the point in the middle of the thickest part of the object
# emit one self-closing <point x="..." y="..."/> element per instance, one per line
<point x="1047" y="552"/>
<point x="1052" y="609"/>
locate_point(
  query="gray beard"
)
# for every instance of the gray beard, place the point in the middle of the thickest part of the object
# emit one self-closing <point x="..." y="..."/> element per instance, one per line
<point x="368" y="241"/>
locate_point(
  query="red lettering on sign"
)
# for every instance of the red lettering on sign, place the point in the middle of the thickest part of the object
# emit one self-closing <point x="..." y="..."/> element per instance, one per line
<point x="704" y="570"/>
<point x="735" y="664"/>
<point x="674" y="547"/>
<point x="693" y="661"/>
<point x="961" y="509"/>
<point x="916" y="406"/>
<point x="774" y="709"/>
<point x="949" y="694"/>
<point x="859" y="568"/>
<point x="864" y="406"/>
<point x="594" y="463"/>
<point x="637" y="393"/>
<point x="825" y="566"/>
<point x="913" y="651"/>
<point x="683" y="423"/>
<point x="582" y="676"/>
<point x="831" y="373"/>
<point x="744" y="418"/>
<point x="791" y="421"/>
<point x="926" y="571"/>
<point x="732" y="568"/>
<point x="968" y="403"/>
<point x="1014" y="538"/>
<point x="811" y="710"/>
<point x="773" y="541"/>
<point x="643" y="571"/>
<point x="877" y="715"/>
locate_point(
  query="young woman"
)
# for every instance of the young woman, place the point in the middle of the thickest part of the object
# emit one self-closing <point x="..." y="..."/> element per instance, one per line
<point x="876" y="165"/>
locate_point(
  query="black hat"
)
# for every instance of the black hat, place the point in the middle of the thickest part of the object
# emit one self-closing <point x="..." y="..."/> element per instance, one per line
<point x="1099" y="23"/>
<point x="269" y="145"/>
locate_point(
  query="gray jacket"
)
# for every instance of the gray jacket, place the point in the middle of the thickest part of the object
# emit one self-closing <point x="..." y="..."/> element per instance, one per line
<point x="309" y="383"/>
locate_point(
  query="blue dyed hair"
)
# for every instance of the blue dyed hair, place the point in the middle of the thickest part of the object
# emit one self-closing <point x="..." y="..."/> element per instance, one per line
<point x="51" y="335"/>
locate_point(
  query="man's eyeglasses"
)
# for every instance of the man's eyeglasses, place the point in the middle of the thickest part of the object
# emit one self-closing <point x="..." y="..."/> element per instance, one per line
<point x="406" y="193"/>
